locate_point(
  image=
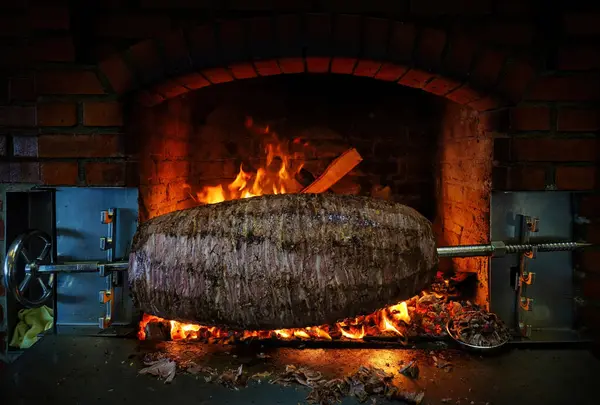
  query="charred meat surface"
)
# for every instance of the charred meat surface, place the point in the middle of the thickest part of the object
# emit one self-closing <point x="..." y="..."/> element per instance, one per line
<point x="280" y="261"/>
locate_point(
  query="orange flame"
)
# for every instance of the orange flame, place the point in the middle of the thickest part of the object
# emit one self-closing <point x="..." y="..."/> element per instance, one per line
<point x="284" y="160"/>
<point x="429" y="311"/>
<point x="352" y="333"/>
<point x="400" y="312"/>
<point x="387" y="325"/>
<point x="393" y="319"/>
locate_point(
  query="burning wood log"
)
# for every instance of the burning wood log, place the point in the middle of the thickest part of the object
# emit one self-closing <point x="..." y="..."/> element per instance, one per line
<point x="341" y="166"/>
<point x="280" y="261"/>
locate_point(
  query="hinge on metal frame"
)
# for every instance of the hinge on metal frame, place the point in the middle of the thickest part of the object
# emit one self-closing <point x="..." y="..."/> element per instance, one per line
<point x="525" y="329"/>
<point x="107" y="244"/>
<point x="528" y="278"/>
<point x="525" y="278"/>
<point x="532" y="224"/>
<point x="105" y="296"/>
<point x="526" y="303"/>
<point x="107" y="216"/>
<point x="532" y="254"/>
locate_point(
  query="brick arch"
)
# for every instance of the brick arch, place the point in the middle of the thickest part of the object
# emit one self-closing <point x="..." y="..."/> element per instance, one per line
<point x="446" y="64"/>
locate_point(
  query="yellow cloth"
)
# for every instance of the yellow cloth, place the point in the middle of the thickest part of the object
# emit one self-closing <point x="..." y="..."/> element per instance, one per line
<point x="32" y="322"/>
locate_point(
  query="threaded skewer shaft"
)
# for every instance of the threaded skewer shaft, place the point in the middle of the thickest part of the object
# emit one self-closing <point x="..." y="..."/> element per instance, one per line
<point x="497" y="249"/>
<point x="546" y="247"/>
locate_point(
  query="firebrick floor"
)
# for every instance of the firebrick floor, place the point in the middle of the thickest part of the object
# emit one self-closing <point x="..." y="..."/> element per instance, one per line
<point x="88" y="370"/>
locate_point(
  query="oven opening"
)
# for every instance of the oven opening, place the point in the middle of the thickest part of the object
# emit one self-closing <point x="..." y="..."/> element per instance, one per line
<point x="326" y="134"/>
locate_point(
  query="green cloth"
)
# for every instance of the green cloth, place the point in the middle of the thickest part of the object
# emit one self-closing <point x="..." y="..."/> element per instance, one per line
<point x="32" y="322"/>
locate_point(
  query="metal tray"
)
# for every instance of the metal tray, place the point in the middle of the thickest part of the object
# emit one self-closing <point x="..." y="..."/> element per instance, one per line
<point x="474" y="348"/>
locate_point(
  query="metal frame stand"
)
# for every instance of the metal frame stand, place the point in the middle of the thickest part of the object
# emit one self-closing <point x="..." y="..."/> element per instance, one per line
<point x="108" y="217"/>
<point x="40" y="265"/>
<point x="524" y="278"/>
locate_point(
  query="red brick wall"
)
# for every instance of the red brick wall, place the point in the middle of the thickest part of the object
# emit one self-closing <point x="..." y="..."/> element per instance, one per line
<point x="64" y="74"/>
<point x="464" y="170"/>
<point x="65" y="66"/>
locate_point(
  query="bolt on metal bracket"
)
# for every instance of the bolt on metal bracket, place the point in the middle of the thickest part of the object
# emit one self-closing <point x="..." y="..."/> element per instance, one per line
<point x="525" y="329"/>
<point x="108" y="245"/>
<point x="107" y="216"/>
<point x="105" y="296"/>
<point x="531" y="254"/>
<point x="528" y="225"/>
<point x="528" y="278"/>
<point x="532" y="224"/>
<point x="526" y="303"/>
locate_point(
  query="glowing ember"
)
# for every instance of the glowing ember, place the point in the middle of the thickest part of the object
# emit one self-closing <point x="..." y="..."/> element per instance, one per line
<point x="353" y="333"/>
<point x="387" y="324"/>
<point x="424" y="314"/>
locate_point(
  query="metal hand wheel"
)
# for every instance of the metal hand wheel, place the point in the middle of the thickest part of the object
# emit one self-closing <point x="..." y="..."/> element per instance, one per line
<point x="18" y="250"/>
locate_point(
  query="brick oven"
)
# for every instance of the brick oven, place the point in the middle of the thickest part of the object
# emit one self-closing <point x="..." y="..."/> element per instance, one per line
<point x="448" y="103"/>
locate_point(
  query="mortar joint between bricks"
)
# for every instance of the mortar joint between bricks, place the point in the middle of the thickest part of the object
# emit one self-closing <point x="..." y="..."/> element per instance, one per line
<point x="561" y="73"/>
<point x="44" y="66"/>
<point x="550" y="178"/>
<point x="553" y="119"/>
<point x="415" y="47"/>
<point x="130" y="65"/>
<point x="502" y="72"/>
<point x="73" y="98"/>
<point x="79" y="113"/>
<point x="81" y="130"/>
<point x="81" y="172"/>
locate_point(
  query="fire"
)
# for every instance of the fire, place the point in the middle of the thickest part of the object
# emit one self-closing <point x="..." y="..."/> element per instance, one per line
<point x="353" y="333"/>
<point x="355" y="329"/>
<point x="184" y="331"/>
<point x="284" y="160"/>
<point x="399" y="312"/>
<point x="283" y="334"/>
<point x="429" y="309"/>
<point x="423" y="314"/>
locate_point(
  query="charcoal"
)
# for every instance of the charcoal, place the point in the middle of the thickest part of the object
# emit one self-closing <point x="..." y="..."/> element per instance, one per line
<point x="157" y="330"/>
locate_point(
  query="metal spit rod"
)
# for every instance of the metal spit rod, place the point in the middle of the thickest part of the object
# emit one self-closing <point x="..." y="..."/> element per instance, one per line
<point x="499" y="249"/>
<point x="37" y="266"/>
<point x="494" y="249"/>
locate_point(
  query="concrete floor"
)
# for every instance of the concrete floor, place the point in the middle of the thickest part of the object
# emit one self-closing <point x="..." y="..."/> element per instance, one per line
<point x="87" y="370"/>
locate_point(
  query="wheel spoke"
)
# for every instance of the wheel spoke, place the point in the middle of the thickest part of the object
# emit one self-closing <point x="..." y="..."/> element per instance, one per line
<point x="25" y="255"/>
<point x="45" y="252"/>
<point x="25" y="283"/>
<point x="43" y="285"/>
